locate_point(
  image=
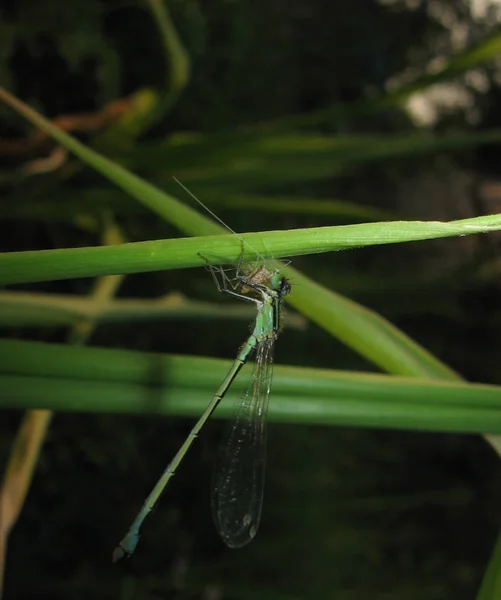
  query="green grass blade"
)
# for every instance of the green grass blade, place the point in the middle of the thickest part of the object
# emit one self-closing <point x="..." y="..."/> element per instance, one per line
<point x="491" y="583"/>
<point x="318" y="149"/>
<point x="485" y="51"/>
<point x="179" y="67"/>
<point x="299" y="205"/>
<point x="185" y="218"/>
<point x="38" y="375"/>
<point x="27" y="309"/>
<point x="252" y="163"/>
<point x="50" y="265"/>
<point x="114" y="397"/>
<point x="364" y="331"/>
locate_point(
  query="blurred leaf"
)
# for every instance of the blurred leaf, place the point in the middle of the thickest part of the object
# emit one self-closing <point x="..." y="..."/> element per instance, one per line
<point x="491" y="584"/>
<point x="364" y="331"/>
<point x="63" y="378"/>
<point x="299" y="205"/>
<point x="241" y="162"/>
<point x="60" y="207"/>
<point x="23" y="309"/>
<point x="485" y="51"/>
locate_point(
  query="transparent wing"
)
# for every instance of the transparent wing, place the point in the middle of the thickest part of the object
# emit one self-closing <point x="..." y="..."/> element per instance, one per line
<point x="238" y="479"/>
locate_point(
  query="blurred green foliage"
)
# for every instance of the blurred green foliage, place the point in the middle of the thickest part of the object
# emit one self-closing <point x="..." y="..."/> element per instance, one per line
<point x="348" y="513"/>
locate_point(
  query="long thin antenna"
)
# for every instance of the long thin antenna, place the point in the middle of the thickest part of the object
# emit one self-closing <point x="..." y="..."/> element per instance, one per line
<point x="203" y="205"/>
<point x="215" y="216"/>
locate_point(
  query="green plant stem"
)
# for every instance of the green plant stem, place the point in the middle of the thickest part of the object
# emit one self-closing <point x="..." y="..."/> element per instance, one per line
<point x="59" y="377"/>
<point x="50" y="265"/>
<point x="23" y="309"/>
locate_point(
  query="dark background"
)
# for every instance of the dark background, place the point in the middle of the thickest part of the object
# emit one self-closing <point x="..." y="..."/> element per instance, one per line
<point x="348" y="513"/>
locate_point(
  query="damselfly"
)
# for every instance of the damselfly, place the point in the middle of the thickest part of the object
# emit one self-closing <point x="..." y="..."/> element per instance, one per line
<point x="238" y="480"/>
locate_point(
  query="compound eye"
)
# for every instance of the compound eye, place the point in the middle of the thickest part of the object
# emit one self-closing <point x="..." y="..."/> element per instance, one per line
<point x="285" y="286"/>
